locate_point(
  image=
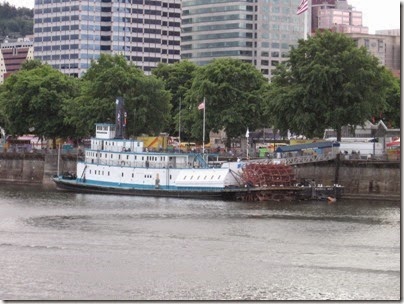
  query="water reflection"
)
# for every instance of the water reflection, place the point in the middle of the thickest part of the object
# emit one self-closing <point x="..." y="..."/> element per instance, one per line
<point x="79" y="246"/>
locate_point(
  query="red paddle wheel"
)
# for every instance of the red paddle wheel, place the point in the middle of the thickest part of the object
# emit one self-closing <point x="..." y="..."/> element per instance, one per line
<point x="268" y="175"/>
<point x="273" y="179"/>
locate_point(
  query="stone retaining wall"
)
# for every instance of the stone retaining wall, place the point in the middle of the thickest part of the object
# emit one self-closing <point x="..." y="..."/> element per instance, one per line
<point x="358" y="177"/>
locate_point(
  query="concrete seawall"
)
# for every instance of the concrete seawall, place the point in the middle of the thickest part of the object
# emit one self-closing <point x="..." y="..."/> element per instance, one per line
<point x="33" y="169"/>
<point x="360" y="178"/>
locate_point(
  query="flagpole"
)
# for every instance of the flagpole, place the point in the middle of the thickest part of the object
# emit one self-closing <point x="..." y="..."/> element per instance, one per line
<point x="179" y="127"/>
<point x="304" y="7"/>
<point x="204" y="109"/>
<point x="305" y="24"/>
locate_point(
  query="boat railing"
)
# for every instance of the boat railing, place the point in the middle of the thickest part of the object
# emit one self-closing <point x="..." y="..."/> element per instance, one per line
<point x="137" y="164"/>
<point x="308" y="159"/>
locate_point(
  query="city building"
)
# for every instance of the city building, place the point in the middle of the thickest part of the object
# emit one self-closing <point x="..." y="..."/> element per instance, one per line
<point x="13" y="54"/>
<point x="260" y="32"/>
<point x="336" y="15"/>
<point x="69" y="34"/>
<point x="385" y="45"/>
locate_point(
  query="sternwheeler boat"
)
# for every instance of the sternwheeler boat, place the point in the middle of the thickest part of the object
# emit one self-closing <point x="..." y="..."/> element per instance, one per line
<point x="117" y="165"/>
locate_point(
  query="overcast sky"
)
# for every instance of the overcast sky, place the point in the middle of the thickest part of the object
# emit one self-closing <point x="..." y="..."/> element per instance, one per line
<point x="377" y="15"/>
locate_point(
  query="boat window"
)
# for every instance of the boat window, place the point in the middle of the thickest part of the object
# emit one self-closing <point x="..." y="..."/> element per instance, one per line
<point x="132" y="174"/>
<point x="219" y="177"/>
<point x="171" y="177"/>
<point x="198" y="177"/>
<point x="192" y="177"/>
<point x="108" y="173"/>
<point x="205" y="177"/>
<point x="119" y="156"/>
<point x="122" y="174"/>
<point x="111" y="155"/>
<point x="90" y="171"/>
<point x="185" y="177"/>
<point x="102" y="172"/>
<point x="212" y="177"/>
<point x="127" y="156"/>
<point x="106" y="155"/>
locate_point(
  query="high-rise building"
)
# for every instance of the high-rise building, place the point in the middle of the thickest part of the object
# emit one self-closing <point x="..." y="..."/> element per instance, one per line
<point x="71" y="33"/>
<point x="260" y="32"/>
<point x="336" y="15"/>
<point x="13" y="54"/>
<point x="385" y="46"/>
<point x="339" y="16"/>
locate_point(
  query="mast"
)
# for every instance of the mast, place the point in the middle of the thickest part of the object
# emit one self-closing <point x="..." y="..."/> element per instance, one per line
<point x="120" y="118"/>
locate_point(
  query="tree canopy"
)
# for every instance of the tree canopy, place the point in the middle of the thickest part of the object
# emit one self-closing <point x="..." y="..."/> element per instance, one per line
<point x="178" y="78"/>
<point x="31" y="101"/>
<point x="146" y="100"/>
<point x="328" y="82"/>
<point x="15" y="22"/>
<point x="233" y="93"/>
<point x="391" y="113"/>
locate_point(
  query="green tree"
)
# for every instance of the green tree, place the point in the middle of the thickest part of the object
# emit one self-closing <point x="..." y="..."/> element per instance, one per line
<point x="31" y="102"/>
<point x="328" y="82"/>
<point x="233" y="92"/>
<point x="392" y="111"/>
<point x="146" y="101"/>
<point x="15" y="22"/>
<point x="178" y="78"/>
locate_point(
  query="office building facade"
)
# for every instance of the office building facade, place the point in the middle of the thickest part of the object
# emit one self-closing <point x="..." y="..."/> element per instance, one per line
<point x="385" y="46"/>
<point x="338" y="16"/>
<point x="69" y="34"/>
<point x="260" y="32"/>
<point x="13" y="54"/>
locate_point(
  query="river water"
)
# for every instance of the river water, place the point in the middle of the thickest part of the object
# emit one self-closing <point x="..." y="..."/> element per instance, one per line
<point x="64" y="246"/>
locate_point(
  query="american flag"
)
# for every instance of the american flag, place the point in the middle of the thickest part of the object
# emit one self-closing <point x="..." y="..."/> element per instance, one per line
<point x="303" y="6"/>
<point x="202" y="105"/>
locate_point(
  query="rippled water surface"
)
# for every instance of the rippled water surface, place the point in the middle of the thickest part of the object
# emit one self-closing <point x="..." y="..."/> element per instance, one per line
<point x="57" y="245"/>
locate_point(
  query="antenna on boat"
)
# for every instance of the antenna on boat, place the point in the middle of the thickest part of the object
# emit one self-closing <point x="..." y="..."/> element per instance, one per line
<point x="120" y="118"/>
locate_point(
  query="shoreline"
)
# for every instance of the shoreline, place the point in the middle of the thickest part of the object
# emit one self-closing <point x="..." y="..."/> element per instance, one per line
<point x="372" y="197"/>
<point x="348" y="196"/>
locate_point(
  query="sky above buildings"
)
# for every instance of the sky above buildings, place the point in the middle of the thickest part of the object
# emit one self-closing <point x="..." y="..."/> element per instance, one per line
<point x="377" y="15"/>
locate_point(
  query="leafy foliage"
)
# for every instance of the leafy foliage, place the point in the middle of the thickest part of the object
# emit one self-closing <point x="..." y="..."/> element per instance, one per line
<point x="178" y="78"/>
<point x="327" y="83"/>
<point x="392" y="112"/>
<point x="146" y="101"/>
<point x="233" y="92"/>
<point x="15" y="22"/>
<point x="31" y="102"/>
